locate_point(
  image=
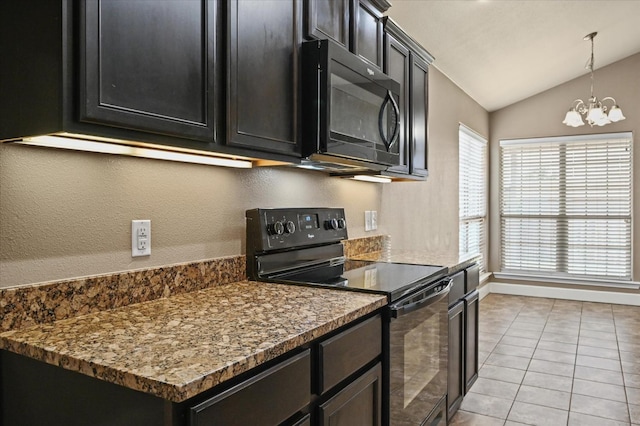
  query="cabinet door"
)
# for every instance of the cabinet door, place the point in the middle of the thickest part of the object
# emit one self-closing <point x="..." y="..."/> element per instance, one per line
<point x="419" y="112"/>
<point x="150" y="66"/>
<point x="471" y="307"/>
<point x="396" y="66"/>
<point x="455" y="388"/>
<point x="263" y="54"/>
<point x="269" y="398"/>
<point x="328" y="19"/>
<point x="357" y="404"/>
<point x="347" y="352"/>
<point x="367" y="32"/>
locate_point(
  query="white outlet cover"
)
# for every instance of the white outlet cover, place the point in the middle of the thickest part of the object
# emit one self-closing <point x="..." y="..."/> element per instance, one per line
<point x="140" y="238"/>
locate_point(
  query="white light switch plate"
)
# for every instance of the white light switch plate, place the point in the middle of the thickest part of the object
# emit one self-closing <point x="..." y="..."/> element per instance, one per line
<point x="374" y="220"/>
<point x="367" y="220"/>
<point x="140" y="238"/>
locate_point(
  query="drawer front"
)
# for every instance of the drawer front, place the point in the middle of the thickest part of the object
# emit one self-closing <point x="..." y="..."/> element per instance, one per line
<point x="270" y="397"/>
<point x="473" y="278"/>
<point x="345" y="353"/>
<point x="457" y="288"/>
<point x="360" y="403"/>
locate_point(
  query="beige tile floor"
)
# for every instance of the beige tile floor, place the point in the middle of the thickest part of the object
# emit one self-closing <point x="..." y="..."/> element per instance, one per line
<point x="555" y="362"/>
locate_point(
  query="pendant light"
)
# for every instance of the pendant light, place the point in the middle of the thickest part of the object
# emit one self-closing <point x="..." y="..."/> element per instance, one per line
<point x="594" y="110"/>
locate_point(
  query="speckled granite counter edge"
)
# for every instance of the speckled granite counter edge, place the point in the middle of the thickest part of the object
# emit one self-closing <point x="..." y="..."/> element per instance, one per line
<point x="358" y="246"/>
<point x="44" y="303"/>
<point x="48" y="302"/>
<point x="17" y="341"/>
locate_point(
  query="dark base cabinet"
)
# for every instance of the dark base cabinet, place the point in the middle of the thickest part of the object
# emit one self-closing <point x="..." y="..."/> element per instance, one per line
<point x="268" y="398"/>
<point x="464" y="308"/>
<point x="471" y="307"/>
<point x="358" y="404"/>
<point x="455" y="389"/>
<point x="335" y="380"/>
<point x="35" y="393"/>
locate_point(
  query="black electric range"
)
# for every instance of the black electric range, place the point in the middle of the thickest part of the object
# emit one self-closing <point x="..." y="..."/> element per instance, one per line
<point x="302" y="246"/>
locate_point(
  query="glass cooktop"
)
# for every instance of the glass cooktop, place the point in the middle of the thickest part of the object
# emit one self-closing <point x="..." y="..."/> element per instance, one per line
<point x="393" y="279"/>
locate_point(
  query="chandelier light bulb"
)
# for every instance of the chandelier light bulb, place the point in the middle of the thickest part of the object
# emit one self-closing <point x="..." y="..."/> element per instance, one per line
<point x="615" y="114"/>
<point x="595" y="114"/>
<point x="573" y="119"/>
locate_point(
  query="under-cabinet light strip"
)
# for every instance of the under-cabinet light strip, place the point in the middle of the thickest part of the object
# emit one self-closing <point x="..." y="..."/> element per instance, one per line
<point x="111" y="148"/>
<point x="369" y="178"/>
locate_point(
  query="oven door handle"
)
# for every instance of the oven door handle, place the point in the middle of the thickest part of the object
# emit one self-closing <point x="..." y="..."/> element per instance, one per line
<point x="403" y="308"/>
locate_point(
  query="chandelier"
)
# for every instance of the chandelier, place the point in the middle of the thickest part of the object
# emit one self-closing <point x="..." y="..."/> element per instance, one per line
<point x="594" y="110"/>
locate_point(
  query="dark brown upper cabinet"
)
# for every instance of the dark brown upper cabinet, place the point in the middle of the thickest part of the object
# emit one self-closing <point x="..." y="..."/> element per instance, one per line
<point x="354" y="24"/>
<point x="396" y="65"/>
<point x="150" y="66"/>
<point x="367" y="31"/>
<point x="155" y="72"/>
<point x="408" y="63"/>
<point x="328" y="19"/>
<point x="263" y="77"/>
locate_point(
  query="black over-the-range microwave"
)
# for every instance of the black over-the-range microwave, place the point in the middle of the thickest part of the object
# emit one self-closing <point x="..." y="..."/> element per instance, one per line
<point x="350" y="114"/>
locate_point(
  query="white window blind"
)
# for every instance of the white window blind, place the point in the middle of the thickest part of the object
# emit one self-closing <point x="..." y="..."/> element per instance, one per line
<point x="565" y="206"/>
<point x="473" y="197"/>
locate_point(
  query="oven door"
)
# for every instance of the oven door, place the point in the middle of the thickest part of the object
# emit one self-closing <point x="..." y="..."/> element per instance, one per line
<point x="419" y="354"/>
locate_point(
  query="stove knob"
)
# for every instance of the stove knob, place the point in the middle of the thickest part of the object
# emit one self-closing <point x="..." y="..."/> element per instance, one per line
<point x="276" y="228"/>
<point x="290" y="227"/>
<point x="331" y="224"/>
<point x="342" y="224"/>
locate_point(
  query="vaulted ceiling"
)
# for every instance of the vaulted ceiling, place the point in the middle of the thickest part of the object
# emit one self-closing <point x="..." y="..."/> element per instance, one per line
<point x="502" y="51"/>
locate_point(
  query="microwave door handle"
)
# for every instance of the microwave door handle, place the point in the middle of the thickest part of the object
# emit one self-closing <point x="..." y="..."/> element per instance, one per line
<point x="401" y="309"/>
<point x="396" y="129"/>
<point x="388" y="143"/>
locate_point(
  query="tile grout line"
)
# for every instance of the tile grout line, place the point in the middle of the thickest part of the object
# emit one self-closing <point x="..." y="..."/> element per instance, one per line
<point x="624" y="382"/>
<point x="525" y="373"/>
<point x="575" y="362"/>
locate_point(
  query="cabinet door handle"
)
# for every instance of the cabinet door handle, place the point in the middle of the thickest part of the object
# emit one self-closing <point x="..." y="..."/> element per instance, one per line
<point x="388" y="143"/>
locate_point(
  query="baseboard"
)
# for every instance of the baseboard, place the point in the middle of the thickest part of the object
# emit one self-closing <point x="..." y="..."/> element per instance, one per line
<point x="561" y="293"/>
<point x="484" y="290"/>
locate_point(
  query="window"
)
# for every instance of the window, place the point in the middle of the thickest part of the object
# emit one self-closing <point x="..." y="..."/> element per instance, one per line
<point x="473" y="199"/>
<point x="565" y="206"/>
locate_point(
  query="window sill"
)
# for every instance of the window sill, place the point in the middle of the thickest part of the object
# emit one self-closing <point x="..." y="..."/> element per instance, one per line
<point x="633" y="285"/>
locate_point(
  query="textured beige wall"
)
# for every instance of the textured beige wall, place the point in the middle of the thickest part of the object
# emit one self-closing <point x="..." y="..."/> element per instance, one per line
<point x="67" y="214"/>
<point x="542" y="115"/>
<point x="427" y="212"/>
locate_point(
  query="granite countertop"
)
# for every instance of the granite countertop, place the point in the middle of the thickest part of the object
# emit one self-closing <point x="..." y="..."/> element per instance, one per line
<point x="178" y="347"/>
<point x="452" y="261"/>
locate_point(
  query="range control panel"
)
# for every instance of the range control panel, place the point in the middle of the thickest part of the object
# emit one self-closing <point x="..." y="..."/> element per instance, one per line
<point x="277" y="229"/>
